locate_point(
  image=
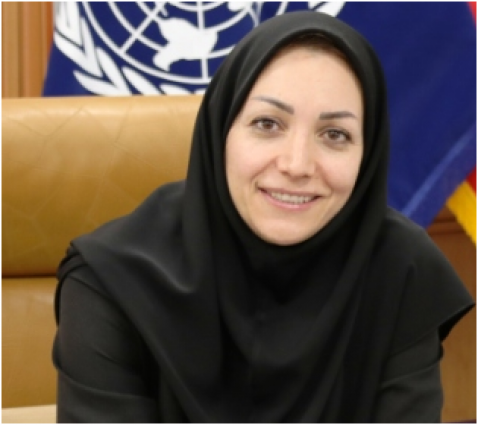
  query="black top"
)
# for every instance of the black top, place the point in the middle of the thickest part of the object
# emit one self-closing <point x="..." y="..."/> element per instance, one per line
<point x="235" y="329"/>
<point x="107" y="373"/>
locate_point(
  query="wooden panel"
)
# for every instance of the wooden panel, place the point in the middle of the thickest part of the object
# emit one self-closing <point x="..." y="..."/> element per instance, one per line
<point x="459" y="361"/>
<point x="11" y="47"/>
<point x="27" y="31"/>
<point x="35" y="55"/>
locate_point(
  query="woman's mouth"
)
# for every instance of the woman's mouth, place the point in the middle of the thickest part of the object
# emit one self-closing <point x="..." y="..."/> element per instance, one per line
<point x="289" y="199"/>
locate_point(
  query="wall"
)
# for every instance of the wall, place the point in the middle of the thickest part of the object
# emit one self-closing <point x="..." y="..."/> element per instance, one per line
<point x="26" y="38"/>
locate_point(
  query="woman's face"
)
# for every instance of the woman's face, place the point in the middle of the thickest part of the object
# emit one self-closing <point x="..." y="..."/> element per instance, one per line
<point x="294" y="151"/>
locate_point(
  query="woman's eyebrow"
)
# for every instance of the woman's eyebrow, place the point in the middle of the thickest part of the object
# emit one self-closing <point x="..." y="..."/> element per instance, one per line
<point x="281" y="105"/>
<point x="336" y="114"/>
<point x="290" y="109"/>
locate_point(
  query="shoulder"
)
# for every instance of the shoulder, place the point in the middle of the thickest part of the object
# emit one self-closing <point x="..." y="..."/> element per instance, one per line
<point x="405" y="249"/>
<point x="407" y="241"/>
<point x="122" y="255"/>
<point x="432" y="296"/>
<point x="74" y="275"/>
<point x="398" y="228"/>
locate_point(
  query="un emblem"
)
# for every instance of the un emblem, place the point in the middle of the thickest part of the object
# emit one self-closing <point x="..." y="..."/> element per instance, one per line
<point x="151" y="48"/>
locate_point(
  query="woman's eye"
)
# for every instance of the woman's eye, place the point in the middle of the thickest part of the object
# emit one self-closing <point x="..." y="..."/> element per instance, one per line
<point x="265" y="124"/>
<point x="337" y="136"/>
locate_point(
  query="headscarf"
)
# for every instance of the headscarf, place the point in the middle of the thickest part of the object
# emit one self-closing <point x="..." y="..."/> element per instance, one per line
<point x="245" y="330"/>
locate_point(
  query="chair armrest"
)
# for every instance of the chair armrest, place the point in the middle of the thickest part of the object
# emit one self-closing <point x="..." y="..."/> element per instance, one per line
<point x="30" y="414"/>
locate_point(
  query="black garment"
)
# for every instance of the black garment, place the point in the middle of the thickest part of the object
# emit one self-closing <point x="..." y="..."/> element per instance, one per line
<point x="117" y="379"/>
<point x="242" y="330"/>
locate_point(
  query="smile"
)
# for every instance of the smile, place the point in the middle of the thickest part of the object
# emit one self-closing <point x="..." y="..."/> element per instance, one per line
<point x="288" y="200"/>
<point x="291" y="199"/>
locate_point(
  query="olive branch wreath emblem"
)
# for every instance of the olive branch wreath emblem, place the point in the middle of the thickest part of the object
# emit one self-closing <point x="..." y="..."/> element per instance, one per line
<point x="99" y="73"/>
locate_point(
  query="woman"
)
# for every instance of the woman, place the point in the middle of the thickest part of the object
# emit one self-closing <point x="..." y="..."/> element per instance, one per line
<point x="274" y="284"/>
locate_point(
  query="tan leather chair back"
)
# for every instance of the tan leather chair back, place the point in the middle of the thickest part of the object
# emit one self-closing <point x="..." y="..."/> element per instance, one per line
<point x="69" y="165"/>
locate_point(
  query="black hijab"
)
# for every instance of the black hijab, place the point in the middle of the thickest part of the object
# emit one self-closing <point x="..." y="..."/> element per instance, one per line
<point x="244" y="330"/>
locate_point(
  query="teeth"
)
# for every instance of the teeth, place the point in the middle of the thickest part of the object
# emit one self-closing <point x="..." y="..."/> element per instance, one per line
<point x="291" y="199"/>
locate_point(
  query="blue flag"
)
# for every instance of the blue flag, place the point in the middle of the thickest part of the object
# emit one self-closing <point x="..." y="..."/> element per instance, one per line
<point x="428" y="50"/>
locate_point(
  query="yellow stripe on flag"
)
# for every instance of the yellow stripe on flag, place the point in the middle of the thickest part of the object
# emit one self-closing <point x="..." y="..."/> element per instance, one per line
<point x="463" y="204"/>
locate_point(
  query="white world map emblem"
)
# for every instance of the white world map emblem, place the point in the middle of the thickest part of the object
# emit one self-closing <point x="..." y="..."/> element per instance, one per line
<point x="152" y="48"/>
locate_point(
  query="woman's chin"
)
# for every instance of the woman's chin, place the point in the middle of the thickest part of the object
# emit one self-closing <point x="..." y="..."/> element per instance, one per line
<point x="285" y="237"/>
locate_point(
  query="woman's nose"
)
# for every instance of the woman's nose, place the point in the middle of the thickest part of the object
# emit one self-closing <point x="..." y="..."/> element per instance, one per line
<point x="296" y="157"/>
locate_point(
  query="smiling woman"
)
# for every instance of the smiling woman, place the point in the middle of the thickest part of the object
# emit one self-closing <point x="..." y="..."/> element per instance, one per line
<point x="294" y="151"/>
<point x="273" y="284"/>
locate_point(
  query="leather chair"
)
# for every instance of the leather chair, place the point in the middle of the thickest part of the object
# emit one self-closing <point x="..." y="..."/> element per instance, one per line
<point x="69" y="165"/>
